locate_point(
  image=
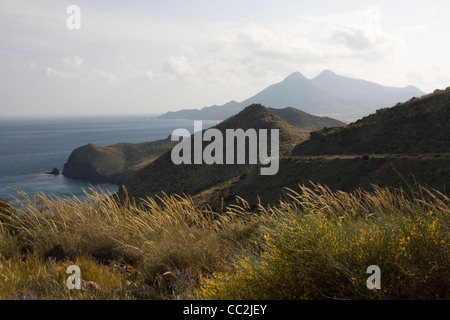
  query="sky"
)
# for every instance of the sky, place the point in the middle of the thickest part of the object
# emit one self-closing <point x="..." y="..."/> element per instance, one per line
<point x="150" y="57"/>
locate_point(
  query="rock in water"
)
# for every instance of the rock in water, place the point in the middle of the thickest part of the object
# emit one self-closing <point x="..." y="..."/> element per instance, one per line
<point x="55" y="171"/>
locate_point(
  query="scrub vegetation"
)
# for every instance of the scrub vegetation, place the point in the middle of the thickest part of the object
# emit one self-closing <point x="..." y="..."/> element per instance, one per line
<point x="315" y="244"/>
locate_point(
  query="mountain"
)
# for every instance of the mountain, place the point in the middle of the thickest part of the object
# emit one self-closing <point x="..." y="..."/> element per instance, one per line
<point x="115" y="163"/>
<point x="305" y="121"/>
<point x="420" y="125"/>
<point x="258" y="117"/>
<point x="163" y="175"/>
<point x="396" y="147"/>
<point x="339" y="158"/>
<point x="328" y="94"/>
<point x="119" y="162"/>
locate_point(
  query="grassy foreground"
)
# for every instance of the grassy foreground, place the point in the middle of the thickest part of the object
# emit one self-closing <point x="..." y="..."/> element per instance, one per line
<point x="315" y="245"/>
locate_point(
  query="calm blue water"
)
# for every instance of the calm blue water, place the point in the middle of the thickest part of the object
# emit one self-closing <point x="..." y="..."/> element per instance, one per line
<point x="28" y="147"/>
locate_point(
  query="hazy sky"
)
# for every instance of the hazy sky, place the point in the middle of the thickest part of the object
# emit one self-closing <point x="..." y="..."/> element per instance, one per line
<point x="150" y="57"/>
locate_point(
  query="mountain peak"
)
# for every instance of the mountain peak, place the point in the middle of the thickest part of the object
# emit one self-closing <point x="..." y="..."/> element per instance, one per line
<point x="255" y="107"/>
<point x="257" y="116"/>
<point x="326" y="74"/>
<point x="253" y="115"/>
<point x="295" y="75"/>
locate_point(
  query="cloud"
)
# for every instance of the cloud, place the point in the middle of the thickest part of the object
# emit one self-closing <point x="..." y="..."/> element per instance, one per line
<point x="136" y="71"/>
<point x="76" y="61"/>
<point x="209" y="59"/>
<point x="224" y="52"/>
<point x="59" y="74"/>
<point x="360" y="38"/>
<point x="261" y="41"/>
<point x="146" y="75"/>
<point x="71" y="66"/>
<point x="108" y="76"/>
<point x="431" y="74"/>
<point x="73" y="70"/>
<point x="250" y="52"/>
<point x="178" y="68"/>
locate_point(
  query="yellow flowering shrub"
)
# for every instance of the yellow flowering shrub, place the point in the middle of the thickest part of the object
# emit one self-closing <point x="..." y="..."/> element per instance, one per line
<point x="312" y="255"/>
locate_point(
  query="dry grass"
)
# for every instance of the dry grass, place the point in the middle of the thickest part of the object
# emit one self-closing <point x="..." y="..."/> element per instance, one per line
<point x="157" y="238"/>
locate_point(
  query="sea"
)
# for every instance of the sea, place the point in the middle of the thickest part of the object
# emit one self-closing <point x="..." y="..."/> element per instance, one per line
<point x="29" y="148"/>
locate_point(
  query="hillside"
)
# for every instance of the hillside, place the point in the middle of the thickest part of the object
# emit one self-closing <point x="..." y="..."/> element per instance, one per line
<point x="192" y="179"/>
<point x="115" y="163"/>
<point x="403" y="137"/>
<point x="343" y="173"/>
<point x="304" y="120"/>
<point x="328" y="94"/>
<point x="410" y="140"/>
<point x="258" y="117"/>
<point x="121" y="161"/>
<point x="420" y="125"/>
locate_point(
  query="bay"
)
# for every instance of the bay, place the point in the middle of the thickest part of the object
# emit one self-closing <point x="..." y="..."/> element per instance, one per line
<point x="29" y="147"/>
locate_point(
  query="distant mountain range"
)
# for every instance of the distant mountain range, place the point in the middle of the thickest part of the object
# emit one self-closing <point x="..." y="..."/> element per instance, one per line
<point x="328" y="94"/>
